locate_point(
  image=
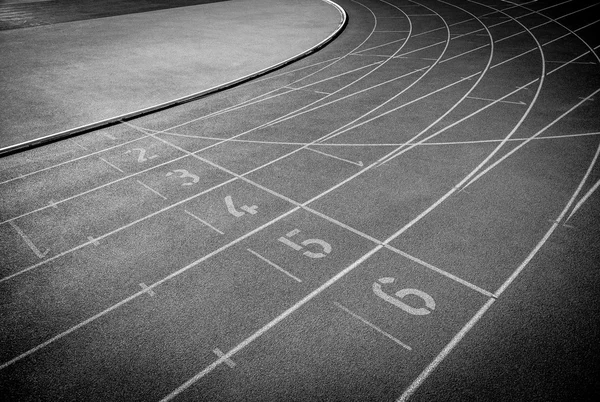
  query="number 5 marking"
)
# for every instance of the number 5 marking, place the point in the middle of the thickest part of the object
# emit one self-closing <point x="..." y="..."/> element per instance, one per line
<point x="142" y="156"/>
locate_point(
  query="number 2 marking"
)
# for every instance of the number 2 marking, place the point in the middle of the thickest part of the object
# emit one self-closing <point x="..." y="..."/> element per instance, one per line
<point x="142" y="154"/>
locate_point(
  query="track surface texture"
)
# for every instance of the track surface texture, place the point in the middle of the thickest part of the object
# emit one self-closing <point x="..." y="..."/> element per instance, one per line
<point x="410" y="213"/>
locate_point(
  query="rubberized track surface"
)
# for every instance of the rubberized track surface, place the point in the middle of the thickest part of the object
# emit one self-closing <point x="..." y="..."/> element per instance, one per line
<point x="410" y="212"/>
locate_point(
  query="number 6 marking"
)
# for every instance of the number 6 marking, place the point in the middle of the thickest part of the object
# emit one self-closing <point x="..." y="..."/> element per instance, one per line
<point x="395" y="299"/>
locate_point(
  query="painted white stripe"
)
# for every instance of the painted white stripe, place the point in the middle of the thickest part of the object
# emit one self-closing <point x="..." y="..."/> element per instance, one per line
<point x="359" y="163"/>
<point x="28" y="241"/>
<point x="110" y="164"/>
<point x="271" y="263"/>
<point x="151" y="189"/>
<point x="375" y="327"/>
<point x="203" y="221"/>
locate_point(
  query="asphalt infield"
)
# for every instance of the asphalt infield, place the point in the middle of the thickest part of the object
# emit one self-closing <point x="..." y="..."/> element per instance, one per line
<point x="410" y="213"/>
<point x="66" y="77"/>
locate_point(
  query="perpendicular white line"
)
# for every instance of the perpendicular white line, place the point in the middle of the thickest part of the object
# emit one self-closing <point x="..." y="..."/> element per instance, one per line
<point x="271" y="263"/>
<point x="268" y="326"/>
<point x="373" y="326"/>
<point x="203" y="222"/>
<point x="151" y="189"/>
<point x="445" y="352"/>
<point x="28" y="241"/>
<point x="110" y="164"/>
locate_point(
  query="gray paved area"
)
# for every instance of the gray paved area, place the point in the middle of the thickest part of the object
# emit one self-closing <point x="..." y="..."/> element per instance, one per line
<point x="67" y="76"/>
<point x="411" y="213"/>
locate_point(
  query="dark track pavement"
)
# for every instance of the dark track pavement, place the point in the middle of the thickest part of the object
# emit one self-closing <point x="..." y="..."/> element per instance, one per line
<point x="410" y="213"/>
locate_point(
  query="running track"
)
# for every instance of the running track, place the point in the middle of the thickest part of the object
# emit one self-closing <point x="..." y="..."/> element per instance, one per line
<point x="411" y="212"/>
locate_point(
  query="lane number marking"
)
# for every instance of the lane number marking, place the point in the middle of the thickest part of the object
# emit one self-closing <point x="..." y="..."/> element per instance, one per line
<point x="396" y="298"/>
<point x="184" y="174"/>
<point x="322" y="243"/>
<point x="252" y="210"/>
<point x="141" y="154"/>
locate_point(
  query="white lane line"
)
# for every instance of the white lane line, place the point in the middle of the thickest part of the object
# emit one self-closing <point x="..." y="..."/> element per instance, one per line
<point x="271" y="263"/>
<point x="151" y="189"/>
<point x="583" y="200"/>
<point x="570" y="62"/>
<point x="397" y="144"/>
<point x="445" y="352"/>
<point x="375" y="327"/>
<point x="203" y="222"/>
<point x="227" y="361"/>
<point x="307" y="90"/>
<point x="28" y="241"/>
<point x="440" y="271"/>
<point x="496" y="100"/>
<point x="110" y="164"/>
<point x="359" y="163"/>
<point x="269" y="77"/>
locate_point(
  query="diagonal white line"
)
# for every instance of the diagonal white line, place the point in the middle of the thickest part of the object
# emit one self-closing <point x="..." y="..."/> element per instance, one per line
<point x="274" y="265"/>
<point x="203" y="222"/>
<point x="376" y="328"/>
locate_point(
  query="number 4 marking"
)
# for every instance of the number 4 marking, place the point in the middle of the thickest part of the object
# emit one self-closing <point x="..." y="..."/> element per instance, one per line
<point x="231" y="208"/>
